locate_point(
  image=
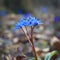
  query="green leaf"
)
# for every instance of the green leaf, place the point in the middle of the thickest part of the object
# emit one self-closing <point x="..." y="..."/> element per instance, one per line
<point x="50" y="55"/>
<point x="34" y="59"/>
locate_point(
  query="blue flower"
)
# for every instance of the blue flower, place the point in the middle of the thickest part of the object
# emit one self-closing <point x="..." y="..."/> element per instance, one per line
<point x="38" y="21"/>
<point x="28" y="21"/>
<point x="19" y="25"/>
<point x="34" y="21"/>
<point x="25" y="17"/>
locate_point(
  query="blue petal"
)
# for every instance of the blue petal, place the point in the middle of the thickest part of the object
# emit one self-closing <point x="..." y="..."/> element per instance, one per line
<point x="26" y="23"/>
<point x="39" y="21"/>
<point x="18" y="26"/>
<point x="34" y="21"/>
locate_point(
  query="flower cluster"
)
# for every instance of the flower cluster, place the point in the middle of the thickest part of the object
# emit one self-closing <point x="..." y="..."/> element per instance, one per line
<point x="28" y="21"/>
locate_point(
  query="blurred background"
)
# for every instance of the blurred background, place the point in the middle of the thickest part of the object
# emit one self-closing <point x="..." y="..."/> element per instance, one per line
<point x="14" y="44"/>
